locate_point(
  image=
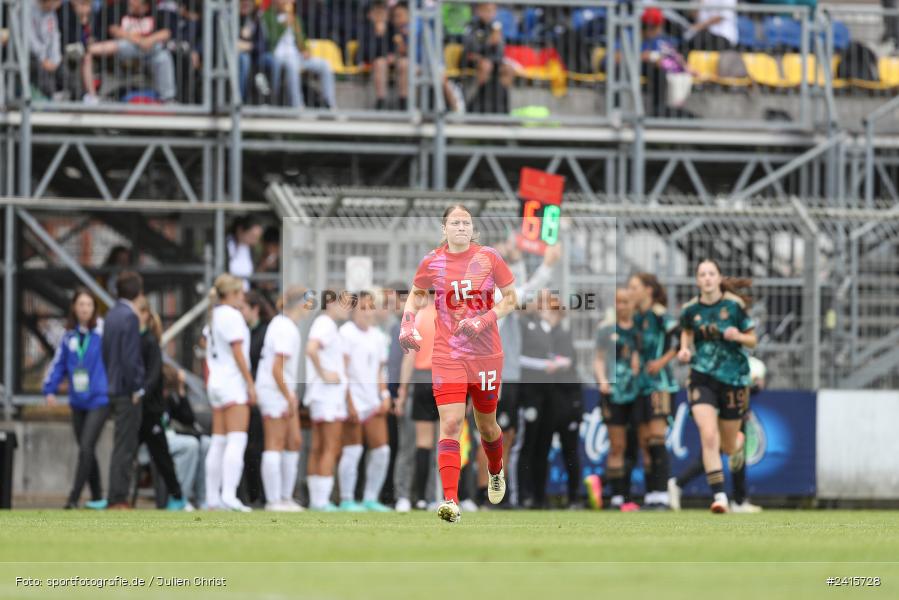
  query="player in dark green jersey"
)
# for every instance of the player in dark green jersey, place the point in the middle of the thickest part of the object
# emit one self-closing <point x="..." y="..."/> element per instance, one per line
<point x="617" y="382"/>
<point x="717" y="325"/>
<point x="657" y="340"/>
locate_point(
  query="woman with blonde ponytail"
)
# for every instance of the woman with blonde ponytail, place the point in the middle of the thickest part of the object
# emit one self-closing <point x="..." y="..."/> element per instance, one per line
<point x="230" y="389"/>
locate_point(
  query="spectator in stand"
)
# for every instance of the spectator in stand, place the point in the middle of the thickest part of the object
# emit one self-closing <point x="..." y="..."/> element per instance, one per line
<point x="152" y="430"/>
<point x="48" y="72"/>
<point x="483" y="50"/>
<point x="137" y="36"/>
<point x="251" y="46"/>
<point x="376" y="48"/>
<point x="399" y="21"/>
<point x="78" y="27"/>
<point x="715" y="27"/>
<point x="288" y="51"/>
<point x="79" y="359"/>
<point x="659" y="57"/>
<point x="245" y="234"/>
<point x="125" y="373"/>
<point x="186" y="45"/>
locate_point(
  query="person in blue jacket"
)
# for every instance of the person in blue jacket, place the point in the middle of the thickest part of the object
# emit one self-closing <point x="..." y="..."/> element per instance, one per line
<point x="79" y="360"/>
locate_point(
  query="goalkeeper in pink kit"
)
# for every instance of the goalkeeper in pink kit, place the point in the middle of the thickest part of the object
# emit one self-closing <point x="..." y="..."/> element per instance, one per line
<point x="468" y="354"/>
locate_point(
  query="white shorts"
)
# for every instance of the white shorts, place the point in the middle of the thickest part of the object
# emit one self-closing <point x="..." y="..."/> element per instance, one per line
<point x="272" y="404"/>
<point x="366" y="405"/>
<point x="366" y="412"/>
<point x="224" y="399"/>
<point x="327" y="411"/>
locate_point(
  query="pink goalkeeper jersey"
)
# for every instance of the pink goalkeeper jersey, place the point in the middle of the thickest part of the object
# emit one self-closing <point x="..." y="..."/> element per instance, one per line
<point x="464" y="285"/>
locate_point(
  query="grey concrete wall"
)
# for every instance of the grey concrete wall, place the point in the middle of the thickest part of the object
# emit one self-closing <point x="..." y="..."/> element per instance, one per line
<point x="45" y="459"/>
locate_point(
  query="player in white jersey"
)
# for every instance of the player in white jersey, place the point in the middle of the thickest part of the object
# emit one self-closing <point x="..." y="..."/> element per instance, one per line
<point x="327" y="397"/>
<point x="277" y="381"/>
<point x="365" y="347"/>
<point x="230" y="389"/>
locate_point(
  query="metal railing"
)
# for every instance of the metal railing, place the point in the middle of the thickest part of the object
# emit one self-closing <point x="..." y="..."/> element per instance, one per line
<point x="547" y="62"/>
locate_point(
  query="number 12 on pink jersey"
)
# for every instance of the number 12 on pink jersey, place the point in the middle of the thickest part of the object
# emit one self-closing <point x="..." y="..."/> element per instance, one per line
<point x="465" y="294"/>
<point x="488" y="380"/>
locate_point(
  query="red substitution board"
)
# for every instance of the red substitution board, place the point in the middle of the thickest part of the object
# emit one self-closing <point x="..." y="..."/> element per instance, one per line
<point x="541" y="209"/>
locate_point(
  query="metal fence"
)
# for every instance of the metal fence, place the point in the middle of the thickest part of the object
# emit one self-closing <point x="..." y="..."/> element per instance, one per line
<point x="686" y="64"/>
<point x="823" y="278"/>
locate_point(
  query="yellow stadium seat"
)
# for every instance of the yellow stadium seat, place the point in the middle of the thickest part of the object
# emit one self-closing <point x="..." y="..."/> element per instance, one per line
<point x="597" y="74"/>
<point x="888" y="67"/>
<point x="704" y="64"/>
<point x="328" y="51"/>
<point x="887" y="70"/>
<point x="764" y="70"/>
<point x="452" y="59"/>
<point x="792" y="66"/>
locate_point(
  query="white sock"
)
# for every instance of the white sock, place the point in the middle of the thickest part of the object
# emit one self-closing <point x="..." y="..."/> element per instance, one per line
<point x="376" y="472"/>
<point x="310" y="486"/>
<point x="233" y="465"/>
<point x="290" y="465"/>
<point x="315" y="487"/>
<point x="348" y="471"/>
<point x="327" y="483"/>
<point x="617" y="501"/>
<point x="214" y="457"/>
<point x="271" y="476"/>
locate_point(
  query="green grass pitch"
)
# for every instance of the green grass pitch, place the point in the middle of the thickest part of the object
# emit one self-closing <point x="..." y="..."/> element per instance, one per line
<point x="496" y="555"/>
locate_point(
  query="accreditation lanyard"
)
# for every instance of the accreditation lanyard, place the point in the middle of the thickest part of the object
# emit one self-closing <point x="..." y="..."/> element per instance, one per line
<point x="80" y="377"/>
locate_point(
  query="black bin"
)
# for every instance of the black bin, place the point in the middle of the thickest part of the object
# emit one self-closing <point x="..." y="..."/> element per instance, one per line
<point x="8" y="444"/>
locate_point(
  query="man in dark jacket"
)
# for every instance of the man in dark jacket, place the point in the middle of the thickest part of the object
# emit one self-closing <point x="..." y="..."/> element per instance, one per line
<point x="125" y="372"/>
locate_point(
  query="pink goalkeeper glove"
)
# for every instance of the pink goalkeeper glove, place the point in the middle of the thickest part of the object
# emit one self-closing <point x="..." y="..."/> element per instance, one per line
<point x="409" y="336"/>
<point x="475" y="326"/>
